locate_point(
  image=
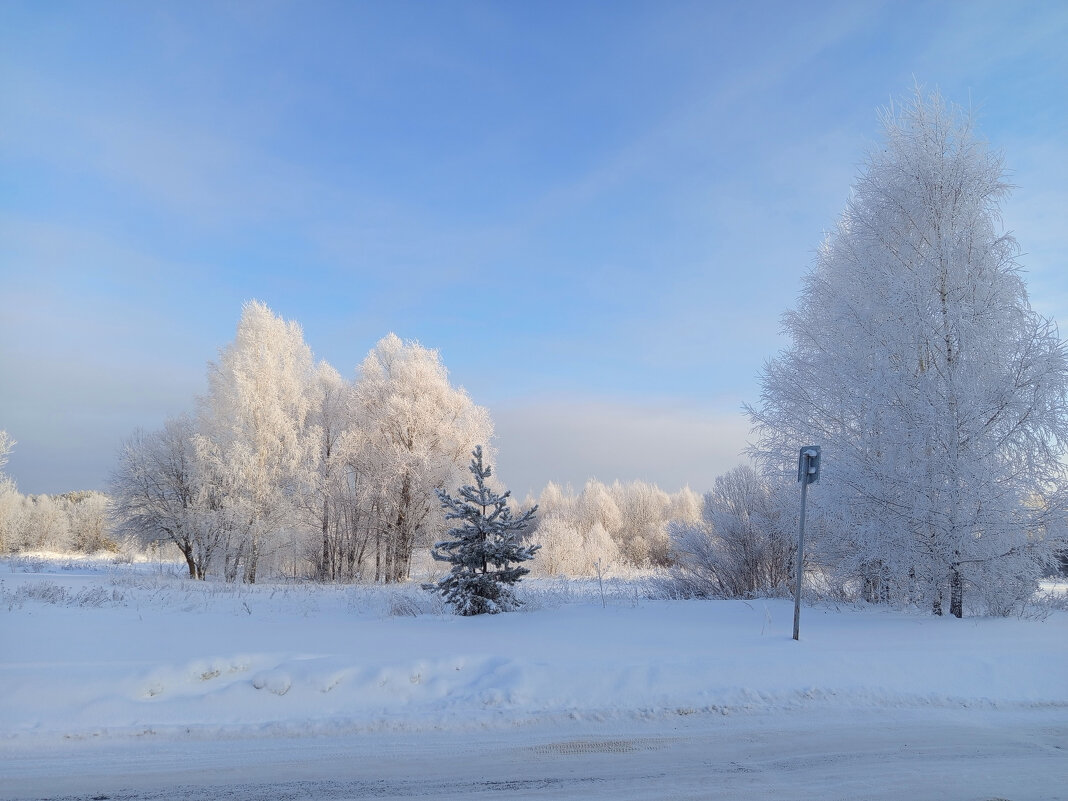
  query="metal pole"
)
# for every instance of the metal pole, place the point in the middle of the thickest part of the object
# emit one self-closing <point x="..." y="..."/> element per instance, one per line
<point x="800" y="550"/>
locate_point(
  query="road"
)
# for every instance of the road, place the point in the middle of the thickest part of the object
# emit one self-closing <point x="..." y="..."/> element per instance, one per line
<point x="975" y="754"/>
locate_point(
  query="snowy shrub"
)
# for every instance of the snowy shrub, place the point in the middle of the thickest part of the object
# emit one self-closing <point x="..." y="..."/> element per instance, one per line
<point x="551" y="593"/>
<point x="27" y="564"/>
<point x="409" y="603"/>
<point x="128" y="552"/>
<point x="740" y="548"/>
<point x="47" y="592"/>
<point x="1051" y="597"/>
<point x="1001" y="593"/>
<point x="403" y="607"/>
<point x="98" y="596"/>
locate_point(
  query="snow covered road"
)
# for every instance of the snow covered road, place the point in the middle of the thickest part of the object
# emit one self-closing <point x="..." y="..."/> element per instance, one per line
<point x="973" y="754"/>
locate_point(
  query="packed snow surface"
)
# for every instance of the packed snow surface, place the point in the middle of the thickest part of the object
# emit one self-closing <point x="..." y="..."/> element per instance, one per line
<point x="123" y="656"/>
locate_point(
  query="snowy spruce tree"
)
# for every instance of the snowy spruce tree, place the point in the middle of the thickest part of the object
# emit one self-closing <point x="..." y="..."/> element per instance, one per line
<point x="939" y="396"/>
<point x="486" y="548"/>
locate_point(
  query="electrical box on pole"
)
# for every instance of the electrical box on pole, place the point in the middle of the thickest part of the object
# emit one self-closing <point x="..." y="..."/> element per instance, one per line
<point x="808" y="472"/>
<point x="808" y="464"/>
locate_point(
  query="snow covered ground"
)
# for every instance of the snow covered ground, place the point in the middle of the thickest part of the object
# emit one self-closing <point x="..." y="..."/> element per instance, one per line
<point x="132" y="682"/>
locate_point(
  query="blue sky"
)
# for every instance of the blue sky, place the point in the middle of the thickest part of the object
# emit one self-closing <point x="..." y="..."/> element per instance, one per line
<point x="596" y="212"/>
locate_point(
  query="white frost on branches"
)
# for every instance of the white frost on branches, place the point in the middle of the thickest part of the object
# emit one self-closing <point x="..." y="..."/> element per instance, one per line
<point x="419" y="430"/>
<point x="617" y="525"/>
<point x="288" y="467"/>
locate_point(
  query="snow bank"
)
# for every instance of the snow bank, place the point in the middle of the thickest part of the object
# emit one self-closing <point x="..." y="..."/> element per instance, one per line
<point x="122" y="653"/>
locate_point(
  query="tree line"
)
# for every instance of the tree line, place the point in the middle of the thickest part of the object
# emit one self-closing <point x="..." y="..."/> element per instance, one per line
<point x="622" y="525"/>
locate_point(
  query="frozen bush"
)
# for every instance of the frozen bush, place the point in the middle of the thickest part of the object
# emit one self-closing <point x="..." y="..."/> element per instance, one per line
<point x="739" y="549"/>
<point x="97" y="597"/>
<point x="46" y="592"/>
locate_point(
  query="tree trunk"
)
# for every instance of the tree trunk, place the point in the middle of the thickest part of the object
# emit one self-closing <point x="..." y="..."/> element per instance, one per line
<point x="326" y="571"/>
<point x="232" y="563"/>
<point x="187" y="552"/>
<point x="401" y="545"/>
<point x="378" y="555"/>
<point x="956" y="593"/>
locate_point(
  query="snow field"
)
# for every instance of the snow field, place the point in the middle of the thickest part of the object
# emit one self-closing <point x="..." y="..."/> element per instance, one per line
<point x="130" y="654"/>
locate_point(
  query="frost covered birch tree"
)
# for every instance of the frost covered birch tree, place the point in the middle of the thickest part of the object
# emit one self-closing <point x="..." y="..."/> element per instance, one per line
<point x="255" y="412"/>
<point x="916" y="361"/>
<point x="333" y="493"/>
<point x="417" y="430"/>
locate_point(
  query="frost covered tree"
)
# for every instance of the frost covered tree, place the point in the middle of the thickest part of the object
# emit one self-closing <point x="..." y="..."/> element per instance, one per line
<point x="642" y="538"/>
<point x="561" y="547"/>
<point x="486" y="550"/>
<point x="89" y="524"/>
<point x="685" y="507"/>
<point x="335" y="497"/>
<point x="10" y="499"/>
<point x="575" y="534"/>
<point x="567" y="550"/>
<point x="44" y="525"/>
<point x="553" y="501"/>
<point x="596" y="506"/>
<point x="10" y="513"/>
<point x="7" y="444"/>
<point x="622" y="525"/>
<point x="916" y="361"/>
<point x="416" y="430"/>
<point x="323" y="467"/>
<point x="255" y="412"/>
<point x="160" y="491"/>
